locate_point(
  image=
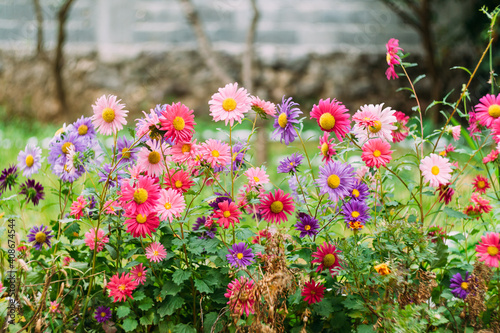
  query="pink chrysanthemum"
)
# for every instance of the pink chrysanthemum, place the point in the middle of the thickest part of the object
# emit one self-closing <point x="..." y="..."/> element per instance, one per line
<point x="274" y="206"/>
<point x="491" y="157"/>
<point x="241" y="296"/>
<point x="184" y="151"/>
<point x="455" y="132"/>
<point x="109" y="116"/>
<point x="376" y="153"/>
<point x="141" y="197"/>
<point x="327" y="257"/>
<point x="230" y="104"/>
<point x="401" y="131"/>
<point x="364" y="118"/>
<point x="436" y="170"/>
<point x="257" y="176"/>
<point x="121" y="287"/>
<point x="78" y="206"/>
<point x="138" y="273"/>
<point x="482" y="205"/>
<point x="488" y="110"/>
<point x="228" y="213"/>
<point x="171" y="204"/>
<point x="90" y="239"/>
<point x="473" y="125"/>
<point x="110" y="207"/>
<point x="326" y="147"/>
<point x="179" y="181"/>
<point x="152" y="158"/>
<point x="481" y="184"/>
<point x="447" y="149"/>
<point x="331" y="117"/>
<point x="488" y="249"/>
<point x="178" y="121"/>
<point x="54" y="307"/>
<point x="216" y="153"/>
<point x="140" y="225"/>
<point x="155" y="252"/>
<point x="392" y="58"/>
<point x="382" y="127"/>
<point x="313" y="292"/>
<point x="149" y="125"/>
<point x="262" y="107"/>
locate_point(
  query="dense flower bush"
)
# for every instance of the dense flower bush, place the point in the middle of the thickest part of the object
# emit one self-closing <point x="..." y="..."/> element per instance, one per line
<point x="162" y="232"/>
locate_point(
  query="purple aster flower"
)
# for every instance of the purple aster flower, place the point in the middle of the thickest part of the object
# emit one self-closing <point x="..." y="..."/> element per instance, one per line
<point x="290" y="164"/>
<point x="284" y="120"/>
<point x="296" y="190"/>
<point x="61" y="170"/>
<point x="8" y="178"/>
<point x="240" y="255"/>
<point x="221" y="197"/>
<point x="58" y="149"/>
<point x="30" y="160"/>
<point x="117" y="175"/>
<point x="307" y="225"/>
<point x="360" y="191"/>
<point x="460" y="287"/>
<point x="40" y="235"/>
<point x="124" y="153"/>
<point x="200" y="223"/>
<point x="84" y="128"/>
<point x="355" y="211"/>
<point x="102" y="314"/>
<point x="33" y="191"/>
<point x="237" y="153"/>
<point x="336" y="179"/>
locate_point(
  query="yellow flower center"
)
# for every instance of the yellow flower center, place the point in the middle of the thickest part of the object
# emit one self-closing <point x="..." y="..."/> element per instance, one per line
<point x="155" y="253"/>
<point x="122" y="287"/>
<point x="307" y="227"/>
<point x="355" y="214"/>
<point x="256" y="179"/>
<point x="494" y="110"/>
<point x="65" y="147"/>
<point x="108" y="115"/>
<point x="83" y="129"/>
<point x="139" y="274"/>
<point x="283" y="120"/>
<point x="178" y="184"/>
<point x="229" y="104"/>
<point x="277" y="207"/>
<point x="388" y="58"/>
<point x="492" y="250"/>
<point x="168" y="205"/>
<point x="125" y="153"/>
<point x="480" y="184"/>
<point x="59" y="131"/>
<point x="29" y="160"/>
<point x="325" y="149"/>
<point x="154" y="157"/>
<point x="435" y="170"/>
<point x="464" y="285"/>
<point x="333" y="181"/>
<point x="140" y="195"/>
<point x="179" y="123"/>
<point x="377" y="126"/>
<point x="215" y="153"/>
<point x="40" y="237"/>
<point x="103" y="314"/>
<point x="141" y="218"/>
<point x="227" y="213"/>
<point x="186" y="148"/>
<point x="327" y="121"/>
<point x="377" y="153"/>
<point x="329" y="260"/>
<point x="239" y="255"/>
<point x="355" y="192"/>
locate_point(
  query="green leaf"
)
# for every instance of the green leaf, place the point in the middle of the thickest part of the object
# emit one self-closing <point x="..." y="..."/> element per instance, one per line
<point x="202" y="287"/>
<point x="146" y="304"/>
<point x="455" y="213"/>
<point x="111" y="250"/>
<point x="147" y="319"/>
<point x="170" y="305"/>
<point x="138" y="296"/>
<point x="180" y="276"/>
<point x="365" y="329"/>
<point x="244" y="234"/>
<point x="184" y="328"/>
<point x="179" y="242"/>
<point x="129" y="324"/>
<point x="209" y="322"/>
<point x="122" y="311"/>
<point x="169" y="288"/>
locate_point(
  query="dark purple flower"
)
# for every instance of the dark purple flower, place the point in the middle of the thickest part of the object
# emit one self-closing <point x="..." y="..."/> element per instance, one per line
<point x="290" y="164"/>
<point x="124" y="153"/>
<point x="221" y="197"/>
<point x="40" y="235"/>
<point x="8" y="178"/>
<point x="102" y="314"/>
<point x="360" y="191"/>
<point x="336" y="179"/>
<point x="33" y="191"/>
<point x="355" y="211"/>
<point x="115" y="178"/>
<point x="200" y="223"/>
<point x="240" y="255"/>
<point x="460" y="287"/>
<point x="285" y="119"/>
<point x="307" y="225"/>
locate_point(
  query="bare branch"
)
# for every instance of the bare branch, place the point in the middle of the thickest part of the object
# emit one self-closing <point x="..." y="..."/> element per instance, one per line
<point x="406" y="17"/>
<point x="40" y="51"/>
<point x="206" y="51"/>
<point x="248" y="55"/>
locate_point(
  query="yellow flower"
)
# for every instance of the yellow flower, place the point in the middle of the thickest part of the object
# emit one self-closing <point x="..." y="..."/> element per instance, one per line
<point x="382" y="269"/>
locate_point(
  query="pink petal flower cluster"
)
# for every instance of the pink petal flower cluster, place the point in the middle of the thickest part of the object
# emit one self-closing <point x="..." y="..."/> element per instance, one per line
<point x="392" y="58"/>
